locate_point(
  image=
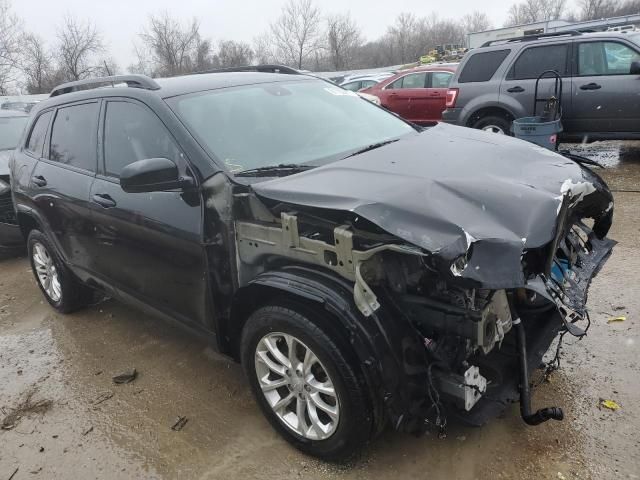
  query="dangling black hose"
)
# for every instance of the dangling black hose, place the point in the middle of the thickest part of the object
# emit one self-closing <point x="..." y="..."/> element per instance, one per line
<point x="543" y="414"/>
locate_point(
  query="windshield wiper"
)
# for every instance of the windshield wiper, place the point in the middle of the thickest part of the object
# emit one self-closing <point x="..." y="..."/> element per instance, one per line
<point x="373" y="146"/>
<point x="274" y="170"/>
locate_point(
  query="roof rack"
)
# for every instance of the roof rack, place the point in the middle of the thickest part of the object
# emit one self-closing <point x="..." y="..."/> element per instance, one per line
<point x="133" y="81"/>
<point x="256" y="68"/>
<point x="529" y="38"/>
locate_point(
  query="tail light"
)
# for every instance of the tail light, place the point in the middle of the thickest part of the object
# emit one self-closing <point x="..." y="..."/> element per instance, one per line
<point x="452" y="96"/>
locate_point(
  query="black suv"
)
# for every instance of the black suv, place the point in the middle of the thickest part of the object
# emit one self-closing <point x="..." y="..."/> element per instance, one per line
<point x="601" y="84"/>
<point x="363" y="270"/>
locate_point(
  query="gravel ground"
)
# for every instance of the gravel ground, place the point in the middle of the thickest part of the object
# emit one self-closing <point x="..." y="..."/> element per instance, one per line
<point x="75" y="423"/>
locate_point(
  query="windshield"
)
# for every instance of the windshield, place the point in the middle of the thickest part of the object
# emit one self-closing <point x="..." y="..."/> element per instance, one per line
<point x="284" y="123"/>
<point x="10" y="131"/>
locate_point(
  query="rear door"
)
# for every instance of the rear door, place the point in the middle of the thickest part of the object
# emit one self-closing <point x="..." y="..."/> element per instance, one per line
<point x="518" y="87"/>
<point x="606" y="97"/>
<point x="147" y="245"/>
<point x="438" y="84"/>
<point x="407" y="96"/>
<point x="61" y="180"/>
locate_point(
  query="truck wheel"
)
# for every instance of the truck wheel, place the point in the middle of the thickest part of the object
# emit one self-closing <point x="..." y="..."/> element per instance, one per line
<point x="494" y="124"/>
<point x="61" y="290"/>
<point x="304" y="383"/>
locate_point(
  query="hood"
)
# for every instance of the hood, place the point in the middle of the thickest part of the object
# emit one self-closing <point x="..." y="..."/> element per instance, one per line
<point x="452" y="191"/>
<point x="4" y="162"/>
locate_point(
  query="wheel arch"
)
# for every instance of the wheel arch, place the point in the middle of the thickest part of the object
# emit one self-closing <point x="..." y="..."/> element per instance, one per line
<point x="493" y="110"/>
<point x="385" y="345"/>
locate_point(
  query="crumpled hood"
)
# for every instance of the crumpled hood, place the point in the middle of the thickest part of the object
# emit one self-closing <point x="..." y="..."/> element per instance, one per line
<point x="451" y="188"/>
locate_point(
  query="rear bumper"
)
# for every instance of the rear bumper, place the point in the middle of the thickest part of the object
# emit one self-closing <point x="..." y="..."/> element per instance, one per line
<point x="452" y="116"/>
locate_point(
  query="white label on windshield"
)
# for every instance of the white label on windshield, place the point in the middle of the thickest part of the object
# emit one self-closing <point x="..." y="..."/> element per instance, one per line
<point x="340" y="91"/>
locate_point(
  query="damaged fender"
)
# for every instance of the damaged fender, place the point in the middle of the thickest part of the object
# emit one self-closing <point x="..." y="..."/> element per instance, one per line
<point x="389" y="349"/>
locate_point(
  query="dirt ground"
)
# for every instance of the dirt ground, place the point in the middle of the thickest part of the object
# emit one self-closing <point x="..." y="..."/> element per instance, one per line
<point x="76" y="423"/>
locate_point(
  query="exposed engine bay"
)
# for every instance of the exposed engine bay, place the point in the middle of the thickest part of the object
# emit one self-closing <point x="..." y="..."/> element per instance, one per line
<point x="463" y="310"/>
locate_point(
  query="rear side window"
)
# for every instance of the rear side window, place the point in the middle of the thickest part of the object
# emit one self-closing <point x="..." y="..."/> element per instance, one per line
<point x="132" y="133"/>
<point x="481" y="66"/>
<point x="440" y="79"/>
<point x="37" y="137"/>
<point x="605" y="58"/>
<point x="535" y="60"/>
<point x="73" y="136"/>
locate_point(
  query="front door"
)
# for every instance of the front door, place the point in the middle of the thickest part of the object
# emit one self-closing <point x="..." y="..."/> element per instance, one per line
<point x="147" y="245"/>
<point x="61" y="180"/>
<point x="404" y="96"/>
<point x="606" y="97"/>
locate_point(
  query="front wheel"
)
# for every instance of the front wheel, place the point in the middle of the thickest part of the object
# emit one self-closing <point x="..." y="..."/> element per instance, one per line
<point x="494" y="124"/>
<point x="305" y="383"/>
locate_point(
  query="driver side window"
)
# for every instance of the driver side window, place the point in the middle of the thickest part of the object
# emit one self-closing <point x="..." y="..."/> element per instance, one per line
<point x="132" y="133"/>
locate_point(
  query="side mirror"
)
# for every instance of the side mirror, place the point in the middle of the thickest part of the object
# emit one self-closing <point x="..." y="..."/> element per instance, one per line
<point x="152" y="175"/>
<point x="635" y="68"/>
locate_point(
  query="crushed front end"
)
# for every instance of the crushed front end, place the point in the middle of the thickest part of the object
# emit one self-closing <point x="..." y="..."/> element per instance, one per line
<point x="459" y="297"/>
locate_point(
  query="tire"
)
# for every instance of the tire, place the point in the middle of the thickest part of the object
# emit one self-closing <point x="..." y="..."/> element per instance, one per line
<point x="66" y="294"/>
<point x="494" y="123"/>
<point x="341" y="439"/>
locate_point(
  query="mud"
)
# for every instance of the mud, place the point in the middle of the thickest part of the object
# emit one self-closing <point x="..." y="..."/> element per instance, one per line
<point x="94" y="428"/>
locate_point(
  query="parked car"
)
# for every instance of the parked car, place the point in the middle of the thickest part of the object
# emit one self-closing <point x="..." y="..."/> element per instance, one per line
<point x="417" y="95"/>
<point x="12" y="125"/>
<point x="364" y="271"/>
<point x="21" y="106"/>
<point x="601" y="93"/>
<point x="356" y="83"/>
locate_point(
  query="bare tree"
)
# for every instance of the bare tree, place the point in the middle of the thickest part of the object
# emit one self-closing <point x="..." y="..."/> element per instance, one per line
<point x="264" y="49"/>
<point x="297" y="32"/>
<point x="403" y="37"/>
<point x="79" y="43"/>
<point x="173" y="47"/>
<point x="36" y="63"/>
<point x="343" y="39"/>
<point x="530" y="11"/>
<point x="233" y="54"/>
<point x="595" y="9"/>
<point x="10" y="45"/>
<point x="476" y="21"/>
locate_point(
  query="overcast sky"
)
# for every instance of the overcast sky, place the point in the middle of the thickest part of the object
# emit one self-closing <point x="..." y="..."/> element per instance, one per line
<point x="121" y="20"/>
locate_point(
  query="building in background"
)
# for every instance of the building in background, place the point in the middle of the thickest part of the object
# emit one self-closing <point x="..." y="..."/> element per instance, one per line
<point x="477" y="39"/>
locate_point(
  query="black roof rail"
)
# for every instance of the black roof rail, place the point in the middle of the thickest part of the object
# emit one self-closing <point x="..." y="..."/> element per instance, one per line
<point x="133" y="81"/>
<point x="255" y="68"/>
<point x="529" y="38"/>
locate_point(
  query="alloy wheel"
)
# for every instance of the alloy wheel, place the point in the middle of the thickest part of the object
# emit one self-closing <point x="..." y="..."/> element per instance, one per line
<point x="493" y="129"/>
<point x="297" y="386"/>
<point x="46" y="272"/>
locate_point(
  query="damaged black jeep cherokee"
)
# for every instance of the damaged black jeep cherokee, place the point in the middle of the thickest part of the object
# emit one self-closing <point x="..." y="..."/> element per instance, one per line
<point x="364" y="271"/>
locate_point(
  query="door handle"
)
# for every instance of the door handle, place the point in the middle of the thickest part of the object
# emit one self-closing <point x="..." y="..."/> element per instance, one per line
<point x="393" y="94"/>
<point x="39" y="180"/>
<point x="516" y="89"/>
<point x="104" y="200"/>
<point x="590" y="86"/>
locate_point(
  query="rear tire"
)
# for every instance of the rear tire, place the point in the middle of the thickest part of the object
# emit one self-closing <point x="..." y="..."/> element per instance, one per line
<point x="337" y="435"/>
<point x="494" y="124"/>
<point x="59" y="287"/>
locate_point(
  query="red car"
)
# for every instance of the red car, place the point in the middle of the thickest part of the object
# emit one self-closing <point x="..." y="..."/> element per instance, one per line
<point x="417" y="95"/>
